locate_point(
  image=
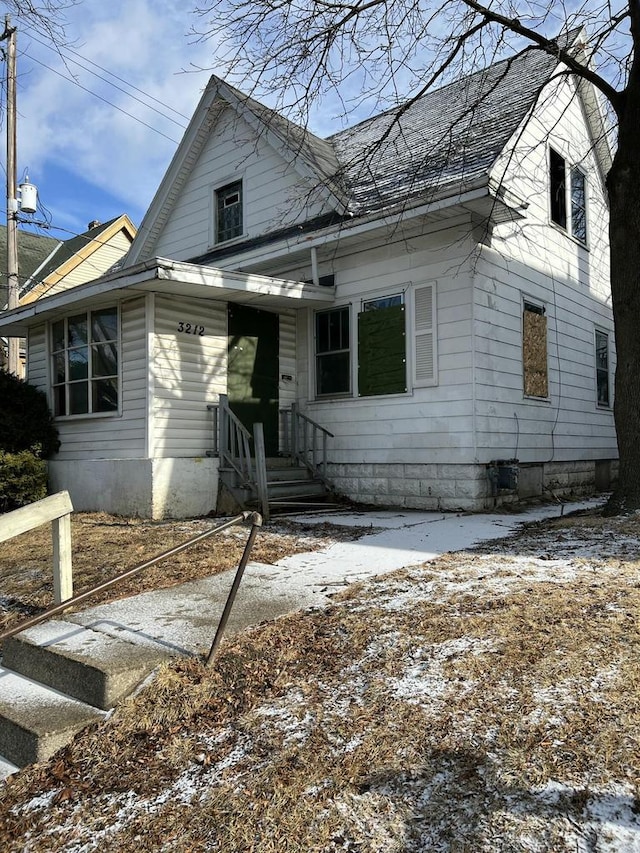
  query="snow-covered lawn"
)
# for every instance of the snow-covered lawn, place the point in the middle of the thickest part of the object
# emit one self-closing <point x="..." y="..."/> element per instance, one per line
<point x="486" y="701"/>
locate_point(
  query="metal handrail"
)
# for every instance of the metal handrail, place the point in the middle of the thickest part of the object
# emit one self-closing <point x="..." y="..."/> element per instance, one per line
<point x="256" y="521"/>
<point x="300" y="450"/>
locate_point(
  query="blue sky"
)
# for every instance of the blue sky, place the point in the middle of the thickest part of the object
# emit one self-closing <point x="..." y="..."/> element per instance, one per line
<point x="98" y="153"/>
<point x="94" y="145"/>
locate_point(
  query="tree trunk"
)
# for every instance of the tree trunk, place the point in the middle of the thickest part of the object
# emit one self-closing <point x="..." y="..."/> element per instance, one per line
<point x="623" y="184"/>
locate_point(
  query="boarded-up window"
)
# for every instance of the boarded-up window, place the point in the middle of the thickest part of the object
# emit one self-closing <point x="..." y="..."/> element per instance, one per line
<point x="424" y="314"/>
<point x="381" y="347"/>
<point x="534" y="351"/>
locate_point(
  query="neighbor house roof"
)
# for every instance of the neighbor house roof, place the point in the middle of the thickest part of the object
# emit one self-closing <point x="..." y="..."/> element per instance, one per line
<point x="33" y="250"/>
<point x="69" y="255"/>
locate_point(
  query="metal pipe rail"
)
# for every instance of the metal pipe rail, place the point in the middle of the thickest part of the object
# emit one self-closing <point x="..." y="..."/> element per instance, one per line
<point x="256" y="521"/>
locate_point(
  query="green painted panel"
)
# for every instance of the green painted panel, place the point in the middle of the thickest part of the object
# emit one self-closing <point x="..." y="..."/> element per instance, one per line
<point x="382" y="365"/>
<point x="253" y="370"/>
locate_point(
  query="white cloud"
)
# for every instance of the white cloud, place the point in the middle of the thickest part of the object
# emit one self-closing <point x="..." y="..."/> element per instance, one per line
<point x="60" y="125"/>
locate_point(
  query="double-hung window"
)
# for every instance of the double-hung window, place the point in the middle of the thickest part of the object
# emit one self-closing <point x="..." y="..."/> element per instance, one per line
<point x="228" y="202"/>
<point x="602" y="368"/>
<point x="333" y="352"/>
<point x="568" y="196"/>
<point x="84" y="369"/>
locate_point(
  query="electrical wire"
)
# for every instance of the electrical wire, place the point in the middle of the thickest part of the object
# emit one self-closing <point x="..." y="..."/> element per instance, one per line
<point x="181" y="124"/>
<point x="109" y="103"/>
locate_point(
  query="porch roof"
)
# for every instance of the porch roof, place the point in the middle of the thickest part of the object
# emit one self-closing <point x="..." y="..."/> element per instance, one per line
<point x="161" y="275"/>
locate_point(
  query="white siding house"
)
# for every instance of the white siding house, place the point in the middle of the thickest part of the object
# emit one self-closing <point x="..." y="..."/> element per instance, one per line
<point x="439" y="302"/>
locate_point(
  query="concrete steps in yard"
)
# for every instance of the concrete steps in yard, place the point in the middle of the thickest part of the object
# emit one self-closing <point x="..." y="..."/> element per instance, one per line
<point x="57" y="678"/>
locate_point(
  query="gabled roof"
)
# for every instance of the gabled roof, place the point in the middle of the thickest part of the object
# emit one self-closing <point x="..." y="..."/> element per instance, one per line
<point x="71" y="253"/>
<point x="438" y="146"/>
<point x="307" y="153"/>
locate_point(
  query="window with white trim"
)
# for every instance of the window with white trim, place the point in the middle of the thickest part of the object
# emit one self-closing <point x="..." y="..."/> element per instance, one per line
<point x="84" y="363"/>
<point x="424" y="333"/>
<point x="333" y="352"/>
<point x="602" y="369"/>
<point x="382" y="358"/>
<point x="228" y="201"/>
<point x="568" y="196"/>
<point x="534" y="351"/>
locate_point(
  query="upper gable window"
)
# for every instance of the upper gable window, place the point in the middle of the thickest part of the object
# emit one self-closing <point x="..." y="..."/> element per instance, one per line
<point x="229" y="212"/>
<point x="568" y="196"/>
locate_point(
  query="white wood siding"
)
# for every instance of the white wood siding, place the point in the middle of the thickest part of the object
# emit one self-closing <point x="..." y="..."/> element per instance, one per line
<point x="537" y="260"/>
<point x="273" y="194"/>
<point x="123" y="436"/>
<point x="189" y="371"/>
<point x="37" y="358"/>
<point x="427" y="424"/>
<point x="101" y="260"/>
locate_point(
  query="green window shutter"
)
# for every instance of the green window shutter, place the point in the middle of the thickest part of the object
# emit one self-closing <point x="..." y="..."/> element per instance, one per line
<point x="381" y="352"/>
<point x="424" y="331"/>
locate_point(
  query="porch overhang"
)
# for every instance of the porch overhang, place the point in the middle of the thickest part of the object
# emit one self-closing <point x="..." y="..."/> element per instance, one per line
<point x="176" y="278"/>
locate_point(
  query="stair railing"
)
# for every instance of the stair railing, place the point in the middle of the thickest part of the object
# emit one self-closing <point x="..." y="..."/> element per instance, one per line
<point x="308" y="441"/>
<point x="253" y="518"/>
<point x="232" y="441"/>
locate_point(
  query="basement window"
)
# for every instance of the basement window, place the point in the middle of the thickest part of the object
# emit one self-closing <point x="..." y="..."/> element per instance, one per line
<point x="85" y="358"/>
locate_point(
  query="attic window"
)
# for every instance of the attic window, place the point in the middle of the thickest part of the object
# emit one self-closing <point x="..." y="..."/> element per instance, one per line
<point x="229" y="212"/>
<point x="568" y="191"/>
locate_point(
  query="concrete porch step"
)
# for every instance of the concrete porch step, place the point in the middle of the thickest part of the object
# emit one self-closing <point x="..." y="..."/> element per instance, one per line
<point x="89" y="666"/>
<point x="35" y="721"/>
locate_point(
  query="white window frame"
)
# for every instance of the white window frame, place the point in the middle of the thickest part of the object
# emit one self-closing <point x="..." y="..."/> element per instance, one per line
<point x="539" y="308"/>
<point x="213" y="196"/>
<point x="569" y="168"/>
<point x="338" y="395"/>
<point x="599" y="331"/>
<point x="419" y="330"/>
<point x="66" y="384"/>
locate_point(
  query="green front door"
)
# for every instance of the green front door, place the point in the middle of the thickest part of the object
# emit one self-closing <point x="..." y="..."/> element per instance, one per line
<point x="253" y="371"/>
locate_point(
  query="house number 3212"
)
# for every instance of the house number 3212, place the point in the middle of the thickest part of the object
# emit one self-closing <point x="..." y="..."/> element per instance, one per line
<point x="190" y="328"/>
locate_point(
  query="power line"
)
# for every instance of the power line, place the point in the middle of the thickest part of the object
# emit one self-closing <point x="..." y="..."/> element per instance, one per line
<point x="115" y="76"/>
<point x="109" y="103"/>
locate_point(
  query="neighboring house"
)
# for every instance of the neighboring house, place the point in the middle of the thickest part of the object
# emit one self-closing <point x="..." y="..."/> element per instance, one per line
<point x="81" y="258"/>
<point x="33" y="250"/>
<point x="47" y="266"/>
<point x="431" y="286"/>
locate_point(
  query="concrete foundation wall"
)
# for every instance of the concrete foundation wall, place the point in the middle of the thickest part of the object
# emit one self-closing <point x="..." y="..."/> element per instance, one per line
<point x="145" y="488"/>
<point x="463" y="487"/>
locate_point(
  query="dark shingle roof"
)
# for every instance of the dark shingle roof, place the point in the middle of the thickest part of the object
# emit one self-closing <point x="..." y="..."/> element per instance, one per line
<point x="65" y="251"/>
<point x="33" y="250"/>
<point x="452" y="135"/>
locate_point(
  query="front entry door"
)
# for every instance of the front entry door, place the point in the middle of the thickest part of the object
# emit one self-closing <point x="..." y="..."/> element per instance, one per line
<point x="253" y="370"/>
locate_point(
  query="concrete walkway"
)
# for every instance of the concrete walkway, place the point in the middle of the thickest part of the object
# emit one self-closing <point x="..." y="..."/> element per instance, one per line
<point x="183" y="620"/>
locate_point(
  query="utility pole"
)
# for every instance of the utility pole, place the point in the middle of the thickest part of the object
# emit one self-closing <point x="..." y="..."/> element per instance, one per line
<point x="13" y="355"/>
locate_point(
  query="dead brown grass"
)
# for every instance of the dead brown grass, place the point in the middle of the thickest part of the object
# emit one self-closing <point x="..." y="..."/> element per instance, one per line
<point x="105" y="545"/>
<point x="419" y="712"/>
